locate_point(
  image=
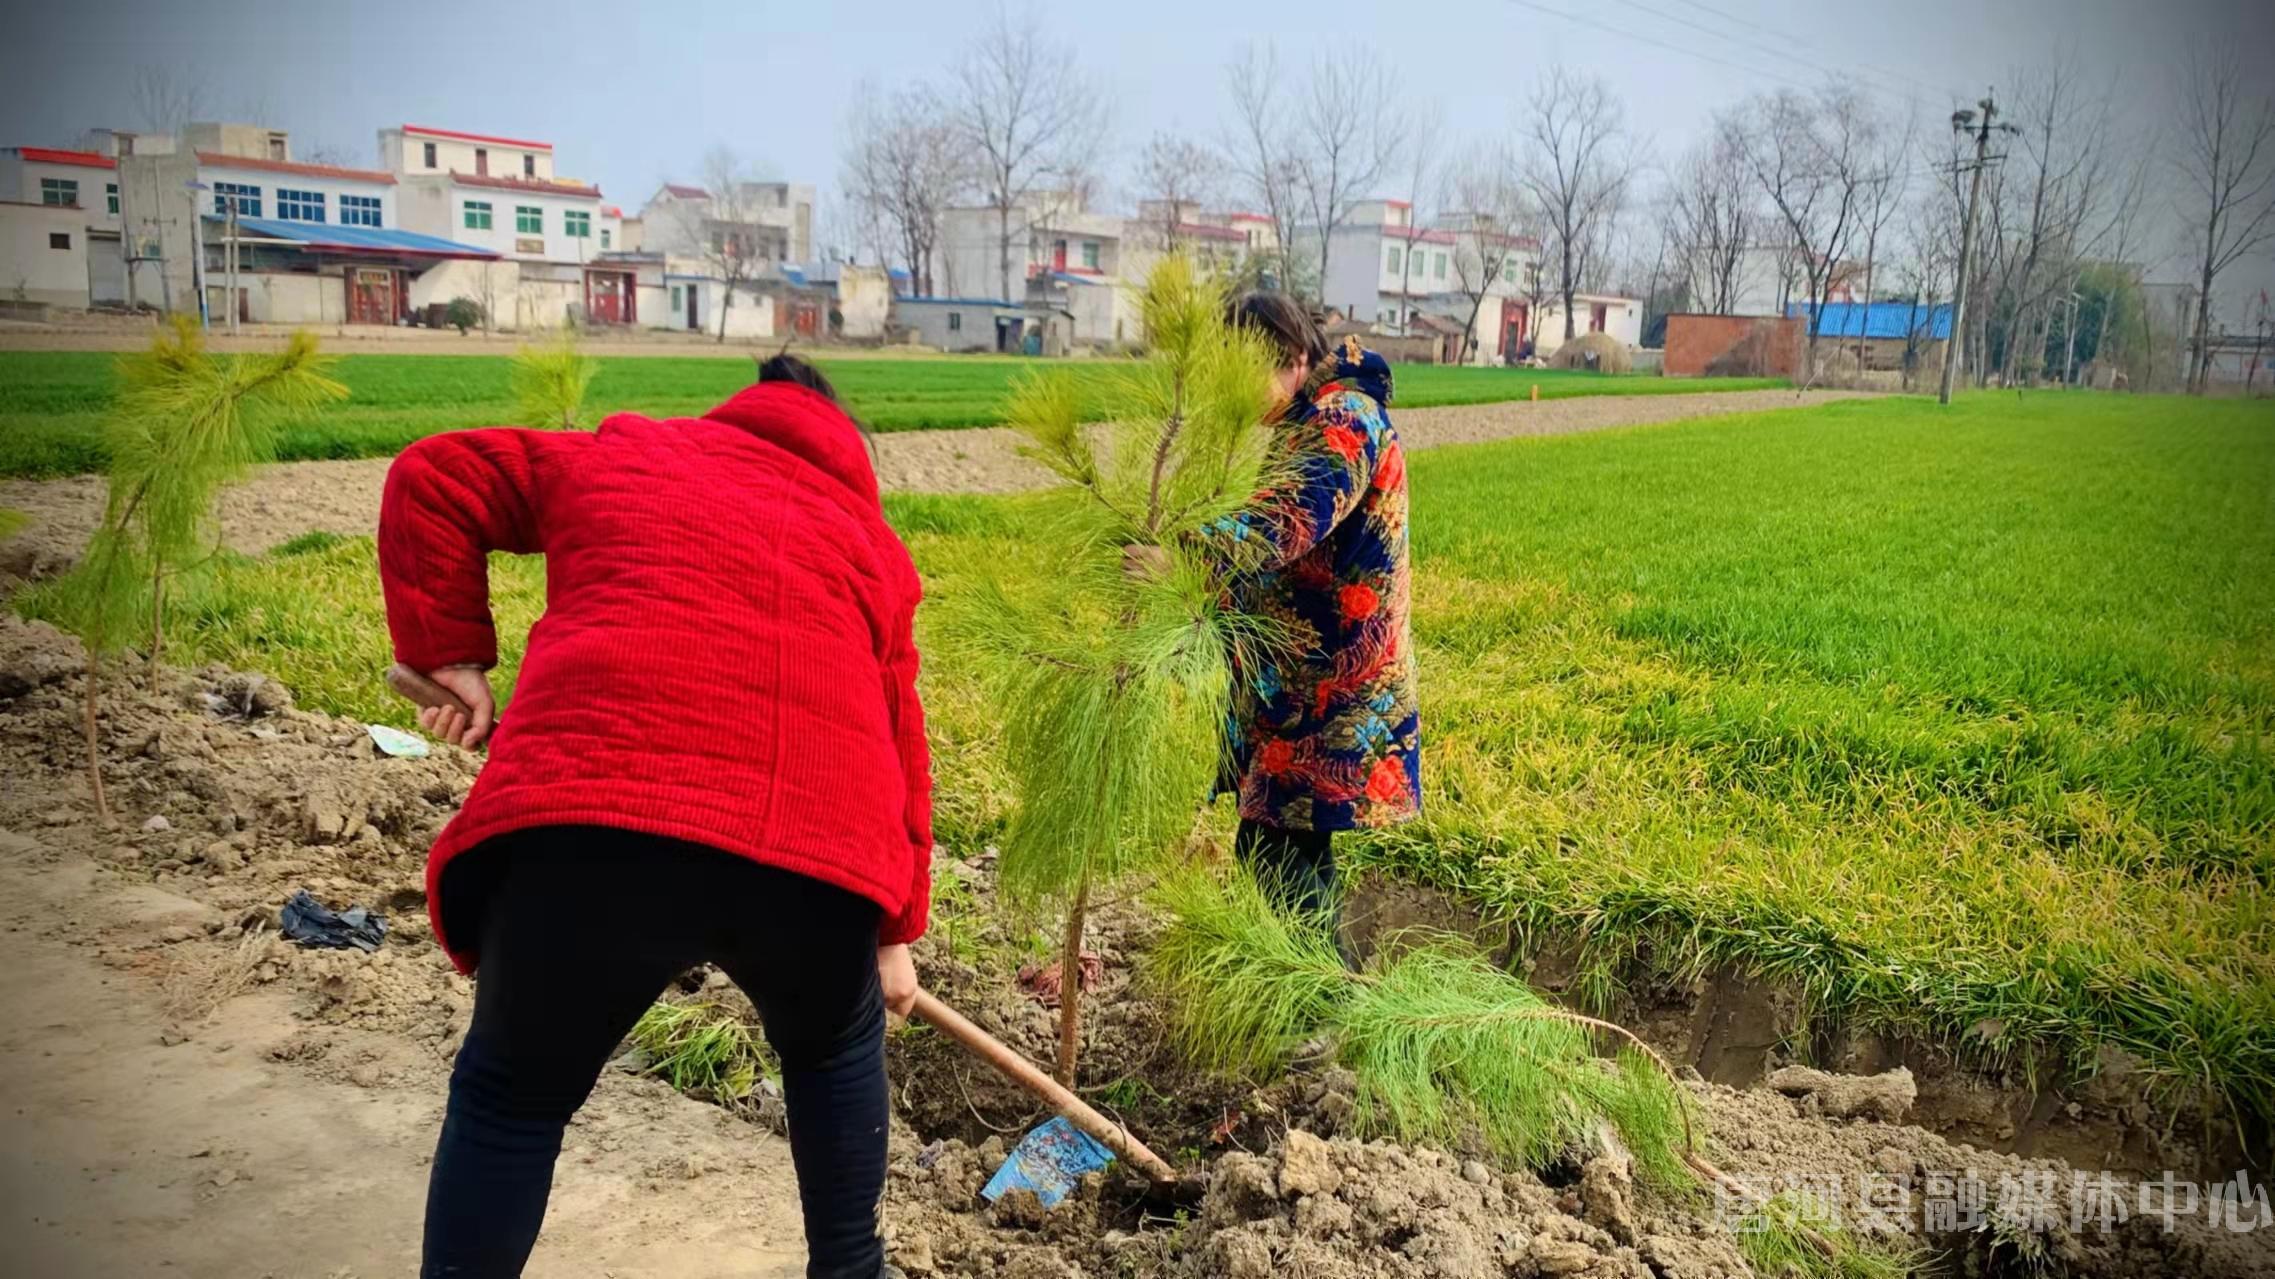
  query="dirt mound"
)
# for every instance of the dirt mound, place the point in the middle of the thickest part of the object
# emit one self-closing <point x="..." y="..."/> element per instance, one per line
<point x="1598" y="351"/>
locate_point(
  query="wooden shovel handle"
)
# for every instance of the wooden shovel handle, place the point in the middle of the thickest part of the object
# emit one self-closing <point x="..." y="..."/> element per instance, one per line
<point x="425" y="692"/>
<point x="1027" y="1075"/>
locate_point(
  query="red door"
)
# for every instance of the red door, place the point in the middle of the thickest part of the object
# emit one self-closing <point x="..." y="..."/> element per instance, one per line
<point x="371" y="296"/>
<point x="1513" y="332"/>
<point x="1597" y="314"/>
<point x="1058" y="255"/>
<point x="604" y="297"/>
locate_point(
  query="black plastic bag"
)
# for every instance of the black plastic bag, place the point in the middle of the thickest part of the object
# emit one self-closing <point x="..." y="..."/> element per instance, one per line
<point x="311" y="923"/>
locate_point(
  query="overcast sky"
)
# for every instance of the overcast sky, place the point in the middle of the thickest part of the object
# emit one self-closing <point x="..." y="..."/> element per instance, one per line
<point x="630" y="97"/>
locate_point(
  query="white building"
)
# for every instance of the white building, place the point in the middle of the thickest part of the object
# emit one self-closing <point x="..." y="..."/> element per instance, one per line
<point x="59" y="227"/>
<point x="553" y="237"/>
<point x="1381" y="268"/>
<point x="774" y="220"/>
<point x="1064" y="258"/>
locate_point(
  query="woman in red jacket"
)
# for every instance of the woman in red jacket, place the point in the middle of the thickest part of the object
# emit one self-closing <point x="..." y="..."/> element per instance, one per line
<point x="715" y="755"/>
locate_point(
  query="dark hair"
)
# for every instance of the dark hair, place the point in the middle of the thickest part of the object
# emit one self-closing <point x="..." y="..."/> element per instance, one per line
<point x="1282" y="319"/>
<point x="785" y="367"/>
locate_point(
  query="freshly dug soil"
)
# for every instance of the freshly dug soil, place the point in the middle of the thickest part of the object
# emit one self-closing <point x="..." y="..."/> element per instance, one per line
<point x="291" y="498"/>
<point x="229" y="799"/>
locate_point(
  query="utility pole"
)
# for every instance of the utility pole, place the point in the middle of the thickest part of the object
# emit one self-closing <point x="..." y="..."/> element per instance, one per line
<point x="1955" y="348"/>
<point x="2070" y="356"/>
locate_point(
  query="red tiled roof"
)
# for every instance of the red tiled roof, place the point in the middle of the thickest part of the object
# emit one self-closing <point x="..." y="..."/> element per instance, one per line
<point x="1427" y="237"/>
<point x="221" y="160"/>
<point x="475" y="137"/>
<point x="1203" y="231"/>
<point x="54" y="155"/>
<point x="612" y="211"/>
<point x="1246" y="217"/>
<point x="687" y="192"/>
<point x="535" y="186"/>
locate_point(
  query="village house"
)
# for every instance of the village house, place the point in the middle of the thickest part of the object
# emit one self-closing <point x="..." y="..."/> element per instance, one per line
<point x="55" y="206"/>
<point x="735" y="250"/>
<point x="556" y="260"/>
<point x="1065" y="259"/>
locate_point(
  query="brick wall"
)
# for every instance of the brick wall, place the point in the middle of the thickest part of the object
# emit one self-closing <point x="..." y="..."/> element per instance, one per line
<point x="1733" y="346"/>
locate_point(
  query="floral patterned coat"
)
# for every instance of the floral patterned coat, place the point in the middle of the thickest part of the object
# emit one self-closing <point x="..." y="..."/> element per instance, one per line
<point x="1327" y="737"/>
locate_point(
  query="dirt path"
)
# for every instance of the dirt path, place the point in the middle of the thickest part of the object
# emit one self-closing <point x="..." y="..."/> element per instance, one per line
<point x="131" y="1141"/>
<point x="292" y="498"/>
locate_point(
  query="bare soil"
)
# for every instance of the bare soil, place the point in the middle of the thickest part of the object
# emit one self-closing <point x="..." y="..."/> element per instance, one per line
<point x="285" y="500"/>
<point x="180" y="1089"/>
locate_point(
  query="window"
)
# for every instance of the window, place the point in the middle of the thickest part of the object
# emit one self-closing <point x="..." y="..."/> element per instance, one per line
<point x="58" y="191"/>
<point x="299" y="206"/>
<point x="59" y="239"/>
<point x="1090" y="254"/>
<point x="482" y="161"/>
<point x="604" y="237"/>
<point x="359" y="210"/>
<point x="677" y="298"/>
<point x="477" y="215"/>
<point x="1397" y="260"/>
<point x="576" y="222"/>
<point x="430" y="154"/>
<point x="1509" y="269"/>
<point x="247" y="199"/>
<point x="1438" y="265"/>
<point x="110" y="198"/>
<point x="528" y="220"/>
<point x="529" y="166"/>
<point x="955" y="321"/>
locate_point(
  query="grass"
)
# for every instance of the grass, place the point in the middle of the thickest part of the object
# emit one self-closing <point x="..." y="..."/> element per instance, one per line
<point x="51" y="403"/>
<point x="703" y="1049"/>
<point x="1957" y="723"/>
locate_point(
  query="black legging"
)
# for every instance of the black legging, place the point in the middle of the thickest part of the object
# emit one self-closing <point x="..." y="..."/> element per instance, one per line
<point x="581" y="927"/>
<point x="1295" y="867"/>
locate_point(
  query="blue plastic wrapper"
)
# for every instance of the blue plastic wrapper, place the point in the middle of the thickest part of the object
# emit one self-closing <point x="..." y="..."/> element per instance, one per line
<point x="1049" y="1161"/>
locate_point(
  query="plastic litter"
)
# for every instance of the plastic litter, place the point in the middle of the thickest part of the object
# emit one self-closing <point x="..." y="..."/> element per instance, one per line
<point x="312" y="923"/>
<point x="396" y="742"/>
<point x="1048" y="1161"/>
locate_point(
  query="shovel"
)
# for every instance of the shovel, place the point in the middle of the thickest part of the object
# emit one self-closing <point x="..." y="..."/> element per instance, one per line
<point x="948" y="1021"/>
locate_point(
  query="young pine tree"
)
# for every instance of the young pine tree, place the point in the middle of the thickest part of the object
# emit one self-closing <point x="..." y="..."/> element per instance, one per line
<point x="549" y="380"/>
<point x="1122" y="681"/>
<point x="186" y="423"/>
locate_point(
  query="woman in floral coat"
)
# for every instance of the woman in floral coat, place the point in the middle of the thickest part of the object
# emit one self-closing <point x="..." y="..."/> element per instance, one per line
<point x="1324" y="734"/>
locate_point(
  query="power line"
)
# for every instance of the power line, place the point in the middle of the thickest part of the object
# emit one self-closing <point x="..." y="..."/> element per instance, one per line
<point x="1685" y="50"/>
<point x="1859" y="69"/>
<point x="1820" y="51"/>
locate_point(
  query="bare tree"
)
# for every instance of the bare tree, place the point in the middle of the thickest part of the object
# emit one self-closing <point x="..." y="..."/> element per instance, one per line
<point x="1262" y="150"/>
<point x="1487" y="220"/>
<point x="904" y="164"/>
<point x="1346" y="130"/>
<point x="165" y="99"/>
<point x="1577" y="175"/>
<point x="1810" y="155"/>
<point x="1178" y="174"/>
<point x="1886" y="179"/>
<point x="1421" y="153"/>
<point x="723" y="229"/>
<point x="1711" y="221"/>
<point x="1027" y="117"/>
<point x="2226" y="155"/>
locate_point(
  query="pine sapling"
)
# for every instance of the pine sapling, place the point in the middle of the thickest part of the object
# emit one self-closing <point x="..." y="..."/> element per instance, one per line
<point x="550" y="378"/>
<point x="186" y="423"/>
<point x="1122" y="681"/>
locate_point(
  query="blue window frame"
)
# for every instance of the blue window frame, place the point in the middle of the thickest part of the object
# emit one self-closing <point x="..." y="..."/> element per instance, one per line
<point x="246" y="198"/>
<point x="359" y="210"/>
<point x="299" y="206"/>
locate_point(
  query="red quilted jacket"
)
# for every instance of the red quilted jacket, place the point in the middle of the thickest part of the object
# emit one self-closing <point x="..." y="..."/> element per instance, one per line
<point x="725" y="655"/>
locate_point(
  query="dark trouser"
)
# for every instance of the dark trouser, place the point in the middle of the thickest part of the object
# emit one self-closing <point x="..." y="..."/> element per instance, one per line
<point x="581" y="927"/>
<point x="1295" y="867"/>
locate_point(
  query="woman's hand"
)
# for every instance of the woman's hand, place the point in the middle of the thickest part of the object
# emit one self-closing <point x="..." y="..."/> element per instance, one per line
<point x="896" y="973"/>
<point x="457" y="727"/>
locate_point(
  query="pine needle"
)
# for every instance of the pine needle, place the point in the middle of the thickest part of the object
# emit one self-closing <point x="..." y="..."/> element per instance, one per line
<point x="549" y="380"/>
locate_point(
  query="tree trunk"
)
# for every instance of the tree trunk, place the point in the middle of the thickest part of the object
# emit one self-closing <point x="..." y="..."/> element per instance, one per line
<point x="94" y="740"/>
<point x="1070" y="985"/>
<point x="2199" y="377"/>
<point x="726" y="303"/>
<point x="157" y="611"/>
<point x="1003" y="243"/>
